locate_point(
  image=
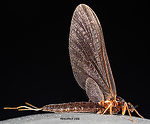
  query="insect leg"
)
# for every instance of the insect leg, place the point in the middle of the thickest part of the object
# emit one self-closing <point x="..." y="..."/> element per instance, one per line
<point x="138" y="113"/>
<point x="130" y="113"/>
<point x="107" y="108"/>
<point x="133" y="109"/>
<point x="124" y="108"/>
<point x="111" y="109"/>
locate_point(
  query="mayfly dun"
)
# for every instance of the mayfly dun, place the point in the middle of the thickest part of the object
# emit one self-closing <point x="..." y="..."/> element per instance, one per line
<point x="91" y="69"/>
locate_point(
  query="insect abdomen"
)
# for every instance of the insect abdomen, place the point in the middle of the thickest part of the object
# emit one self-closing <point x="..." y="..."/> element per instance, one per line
<point x="72" y="107"/>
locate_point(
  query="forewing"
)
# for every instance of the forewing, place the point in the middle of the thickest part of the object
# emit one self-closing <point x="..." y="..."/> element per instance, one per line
<point x="87" y="51"/>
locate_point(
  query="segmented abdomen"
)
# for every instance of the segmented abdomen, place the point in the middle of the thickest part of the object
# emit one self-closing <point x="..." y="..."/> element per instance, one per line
<point x="73" y="107"/>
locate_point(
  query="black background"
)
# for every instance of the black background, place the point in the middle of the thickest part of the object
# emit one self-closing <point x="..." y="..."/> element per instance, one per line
<point x="34" y="58"/>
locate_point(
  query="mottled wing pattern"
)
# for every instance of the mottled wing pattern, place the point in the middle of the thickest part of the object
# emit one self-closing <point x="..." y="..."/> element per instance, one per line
<point x="87" y="51"/>
<point x="93" y="91"/>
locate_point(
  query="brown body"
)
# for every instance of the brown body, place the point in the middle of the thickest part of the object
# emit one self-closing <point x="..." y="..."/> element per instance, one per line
<point x="73" y="107"/>
<point x="92" y="107"/>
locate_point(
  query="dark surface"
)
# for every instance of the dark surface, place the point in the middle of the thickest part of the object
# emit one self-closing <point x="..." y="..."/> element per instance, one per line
<point x="34" y="56"/>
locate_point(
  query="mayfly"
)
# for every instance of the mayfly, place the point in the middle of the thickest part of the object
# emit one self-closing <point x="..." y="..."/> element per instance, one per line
<point x="91" y="69"/>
